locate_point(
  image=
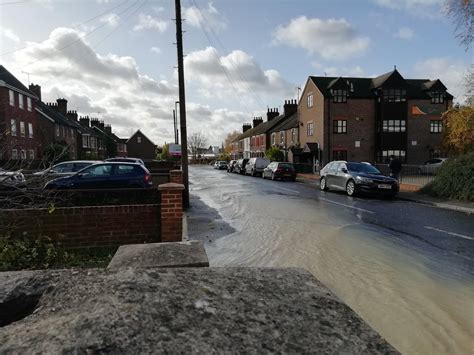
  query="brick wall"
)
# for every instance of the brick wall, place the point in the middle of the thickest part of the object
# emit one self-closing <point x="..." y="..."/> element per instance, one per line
<point x="76" y="227"/>
<point x="171" y="212"/>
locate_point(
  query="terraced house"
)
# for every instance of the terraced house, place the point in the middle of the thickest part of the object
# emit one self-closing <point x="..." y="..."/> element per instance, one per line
<point x="369" y="119"/>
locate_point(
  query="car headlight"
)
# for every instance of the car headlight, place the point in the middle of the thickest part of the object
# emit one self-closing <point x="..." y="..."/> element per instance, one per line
<point x="363" y="179"/>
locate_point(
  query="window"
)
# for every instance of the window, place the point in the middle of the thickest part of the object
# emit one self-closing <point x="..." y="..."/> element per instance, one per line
<point x="139" y="139"/>
<point x="30" y="130"/>
<point x="437" y="97"/>
<point x="57" y="131"/>
<point x="23" y="154"/>
<point x="293" y="135"/>
<point x="63" y="168"/>
<point x="340" y="127"/>
<point x="72" y="133"/>
<point x="273" y="139"/>
<point x="340" y="95"/>
<point x="22" y="129"/>
<point x="31" y="154"/>
<point x="97" y="171"/>
<point x="13" y="127"/>
<point x="125" y="169"/>
<point x="14" y="154"/>
<point x="11" y="95"/>
<point x="310" y="100"/>
<point x="384" y="156"/>
<point x="282" y="138"/>
<point x="93" y="142"/>
<point x="339" y="155"/>
<point x="394" y="126"/>
<point x="435" y="153"/>
<point x="28" y="103"/>
<point x="309" y="129"/>
<point x="85" y="141"/>
<point x="394" y="95"/>
<point x="21" y="101"/>
<point x="436" y="126"/>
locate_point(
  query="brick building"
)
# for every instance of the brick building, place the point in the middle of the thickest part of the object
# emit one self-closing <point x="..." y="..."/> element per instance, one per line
<point x="139" y="146"/>
<point x="369" y="119"/>
<point x="18" y="122"/>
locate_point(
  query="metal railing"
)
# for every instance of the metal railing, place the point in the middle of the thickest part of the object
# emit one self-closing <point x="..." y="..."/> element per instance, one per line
<point x="410" y="174"/>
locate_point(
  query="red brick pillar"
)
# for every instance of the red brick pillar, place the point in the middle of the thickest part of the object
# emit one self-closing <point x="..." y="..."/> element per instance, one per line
<point x="171" y="212"/>
<point x="176" y="176"/>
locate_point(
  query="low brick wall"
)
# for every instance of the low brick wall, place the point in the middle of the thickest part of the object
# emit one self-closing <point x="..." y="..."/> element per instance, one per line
<point x="91" y="226"/>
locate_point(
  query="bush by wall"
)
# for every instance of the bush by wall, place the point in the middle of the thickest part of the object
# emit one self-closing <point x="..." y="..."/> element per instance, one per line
<point x="455" y="179"/>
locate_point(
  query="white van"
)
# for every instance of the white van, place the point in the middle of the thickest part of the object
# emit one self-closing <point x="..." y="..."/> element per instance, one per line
<point x="255" y="166"/>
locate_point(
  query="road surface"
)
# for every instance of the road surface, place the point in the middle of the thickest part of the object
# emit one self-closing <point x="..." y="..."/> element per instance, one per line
<point x="406" y="268"/>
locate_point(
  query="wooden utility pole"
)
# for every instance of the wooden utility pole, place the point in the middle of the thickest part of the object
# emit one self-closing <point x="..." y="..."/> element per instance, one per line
<point x="182" y="104"/>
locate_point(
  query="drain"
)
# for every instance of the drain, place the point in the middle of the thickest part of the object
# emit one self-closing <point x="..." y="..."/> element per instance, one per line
<point x="17" y="308"/>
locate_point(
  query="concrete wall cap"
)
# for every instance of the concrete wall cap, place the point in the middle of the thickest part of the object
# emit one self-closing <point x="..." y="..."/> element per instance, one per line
<point x="170" y="186"/>
<point x="176" y="171"/>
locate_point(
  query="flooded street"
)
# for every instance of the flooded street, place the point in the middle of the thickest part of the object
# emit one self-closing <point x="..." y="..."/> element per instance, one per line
<point x="415" y="291"/>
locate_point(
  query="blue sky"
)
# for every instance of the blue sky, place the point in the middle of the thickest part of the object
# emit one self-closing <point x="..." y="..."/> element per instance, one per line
<point x="116" y="59"/>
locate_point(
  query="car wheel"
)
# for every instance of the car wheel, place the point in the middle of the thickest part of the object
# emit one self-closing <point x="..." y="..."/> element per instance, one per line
<point x="322" y="185"/>
<point x="351" y="188"/>
<point x="263" y="175"/>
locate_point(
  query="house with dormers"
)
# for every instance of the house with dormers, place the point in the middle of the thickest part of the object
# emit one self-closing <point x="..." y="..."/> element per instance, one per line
<point x="370" y="119"/>
<point x="18" y="121"/>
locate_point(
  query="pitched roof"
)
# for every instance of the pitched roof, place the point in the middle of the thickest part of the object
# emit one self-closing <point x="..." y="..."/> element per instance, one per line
<point x="9" y="80"/>
<point x="138" y="130"/>
<point x="289" y="123"/>
<point x="50" y="113"/>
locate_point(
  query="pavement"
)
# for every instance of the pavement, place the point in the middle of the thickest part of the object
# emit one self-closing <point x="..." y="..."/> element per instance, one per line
<point x="410" y="193"/>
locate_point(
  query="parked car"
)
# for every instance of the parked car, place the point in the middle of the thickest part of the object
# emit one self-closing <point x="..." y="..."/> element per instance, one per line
<point x="355" y="177"/>
<point x="255" y="166"/>
<point x="11" y="180"/>
<point x="126" y="160"/>
<point x="431" y="166"/>
<point x="231" y="166"/>
<point x="240" y="166"/>
<point x="280" y="170"/>
<point x="109" y="175"/>
<point x="66" y="168"/>
<point x="220" y="164"/>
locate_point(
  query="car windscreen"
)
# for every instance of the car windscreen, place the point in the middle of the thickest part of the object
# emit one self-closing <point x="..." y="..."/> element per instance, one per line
<point x="286" y="166"/>
<point x="362" y="168"/>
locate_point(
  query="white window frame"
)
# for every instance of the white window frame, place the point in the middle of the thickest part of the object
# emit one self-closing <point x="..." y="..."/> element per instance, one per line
<point x="21" y="101"/>
<point x="30" y="130"/>
<point x="14" y="154"/>
<point x="139" y="139"/>
<point x="13" y="127"/>
<point x="58" y="131"/>
<point x="28" y="104"/>
<point x="11" y="96"/>
<point x="310" y="100"/>
<point x="22" y="129"/>
<point x="31" y="154"/>
<point x="85" y="141"/>
<point x="310" y="129"/>
<point x="23" y="154"/>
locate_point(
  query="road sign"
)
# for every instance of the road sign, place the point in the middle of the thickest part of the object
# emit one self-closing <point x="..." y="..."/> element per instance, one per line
<point x="175" y="150"/>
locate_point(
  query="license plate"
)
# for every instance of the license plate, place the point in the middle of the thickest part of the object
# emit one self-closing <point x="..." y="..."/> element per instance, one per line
<point x="384" y="186"/>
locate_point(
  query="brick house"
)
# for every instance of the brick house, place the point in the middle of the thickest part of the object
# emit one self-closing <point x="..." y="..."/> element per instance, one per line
<point x="285" y="134"/>
<point x="237" y="146"/>
<point x="113" y="146"/>
<point x="18" y="121"/>
<point x="139" y="146"/>
<point x="369" y="119"/>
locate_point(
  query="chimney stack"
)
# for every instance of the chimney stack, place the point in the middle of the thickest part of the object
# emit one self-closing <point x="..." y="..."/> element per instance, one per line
<point x="257" y="121"/>
<point x="102" y="126"/>
<point x="108" y="128"/>
<point x="84" y="121"/>
<point x="36" y="89"/>
<point x="62" y="106"/>
<point x="246" y="127"/>
<point x="290" y="107"/>
<point x="272" y="113"/>
<point x="95" y="122"/>
<point x="72" y="115"/>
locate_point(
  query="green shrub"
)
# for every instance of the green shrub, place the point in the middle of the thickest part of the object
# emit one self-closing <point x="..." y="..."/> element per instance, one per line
<point x="455" y="179"/>
<point x="275" y="154"/>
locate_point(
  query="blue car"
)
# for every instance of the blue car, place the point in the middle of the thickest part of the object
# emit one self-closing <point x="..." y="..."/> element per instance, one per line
<point x="110" y="175"/>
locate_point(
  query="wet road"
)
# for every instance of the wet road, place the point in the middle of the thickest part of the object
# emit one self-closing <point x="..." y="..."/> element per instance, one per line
<point x="406" y="268"/>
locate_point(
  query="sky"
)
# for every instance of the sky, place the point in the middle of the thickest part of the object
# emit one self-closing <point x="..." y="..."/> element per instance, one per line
<point x="116" y="59"/>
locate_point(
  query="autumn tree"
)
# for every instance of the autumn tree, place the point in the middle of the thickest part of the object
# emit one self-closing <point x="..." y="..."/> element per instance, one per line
<point x="229" y="139"/>
<point x="462" y="14"/>
<point x="459" y="129"/>
<point x="197" y="142"/>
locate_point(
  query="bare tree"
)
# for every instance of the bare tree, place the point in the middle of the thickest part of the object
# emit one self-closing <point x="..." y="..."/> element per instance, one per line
<point x="462" y="14"/>
<point x="197" y="142"/>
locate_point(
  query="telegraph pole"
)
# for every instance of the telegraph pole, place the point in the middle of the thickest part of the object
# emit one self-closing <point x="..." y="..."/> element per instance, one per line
<point x="182" y="104"/>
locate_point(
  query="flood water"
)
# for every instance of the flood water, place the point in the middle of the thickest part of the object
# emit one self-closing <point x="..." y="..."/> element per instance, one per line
<point x="417" y="300"/>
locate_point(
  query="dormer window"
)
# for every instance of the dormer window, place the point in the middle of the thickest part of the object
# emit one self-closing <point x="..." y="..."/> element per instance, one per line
<point x="437" y="97"/>
<point x="139" y="139"/>
<point x="394" y="95"/>
<point x="339" y="95"/>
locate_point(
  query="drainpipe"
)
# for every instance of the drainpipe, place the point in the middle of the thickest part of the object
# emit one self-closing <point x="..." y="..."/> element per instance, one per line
<point x="329" y="131"/>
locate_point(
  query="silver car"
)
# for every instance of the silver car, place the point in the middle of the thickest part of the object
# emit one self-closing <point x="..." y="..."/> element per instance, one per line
<point x="66" y="168"/>
<point x="11" y="179"/>
<point x="255" y="166"/>
<point x="431" y="166"/>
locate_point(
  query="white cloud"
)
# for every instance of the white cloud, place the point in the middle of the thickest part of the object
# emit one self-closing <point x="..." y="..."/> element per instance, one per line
<point x="9" y="34"/>
<point x="110" y="19"/>
<point x="330" y="39"/>
<point x="148" y="22"/>
<point x="354" y="71"/>
<point x="405" y="33"/>
<point x="208" y="18"/>
<point x="450" y="71"/>
<point x="423" y="8"/>
<point x="155" y="50"/>
<point x="235" y="72"/>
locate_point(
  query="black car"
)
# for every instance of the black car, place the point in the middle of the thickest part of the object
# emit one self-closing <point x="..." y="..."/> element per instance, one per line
<point x="111" y="175"/>
<point x="240" y="166"/>
<point x="280" y="170"/>
<point x="231" y="166"/>
<point x="354" y="178"/>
